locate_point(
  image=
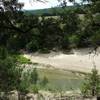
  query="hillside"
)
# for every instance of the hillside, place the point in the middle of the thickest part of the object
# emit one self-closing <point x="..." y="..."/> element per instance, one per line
<point x="49" y="11"/>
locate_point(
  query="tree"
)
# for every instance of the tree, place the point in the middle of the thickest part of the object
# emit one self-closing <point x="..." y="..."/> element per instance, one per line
<point x="91" y="86"/>
<point x="14" y="23"/>
<point x="8" y="13"/>
<point x="91" y="25"/>
<point x="34" y="76"/>
<point x="10" y="73"/>
<point x="50" y="33"/>
<point x="71" y="21"/>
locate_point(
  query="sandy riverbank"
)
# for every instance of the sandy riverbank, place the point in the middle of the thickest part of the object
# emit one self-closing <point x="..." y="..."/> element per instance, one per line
<point x="79" y="60"/>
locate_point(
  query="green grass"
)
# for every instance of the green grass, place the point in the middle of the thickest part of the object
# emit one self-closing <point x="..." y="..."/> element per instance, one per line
<point x="60" y="80"/>
<point x="21" y="59"/>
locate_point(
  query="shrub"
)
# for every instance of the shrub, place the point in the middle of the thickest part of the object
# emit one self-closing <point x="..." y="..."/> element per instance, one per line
<point x="74" y="41"/>
<point x="44" y="81"/>
<point x="32" y="46"/>
<point x="91" y="86"/>
<point x="34" y="76"/>
<point x="10" y="72"/>
<point x="35" y="89"/>
<point x="44" y="50"/>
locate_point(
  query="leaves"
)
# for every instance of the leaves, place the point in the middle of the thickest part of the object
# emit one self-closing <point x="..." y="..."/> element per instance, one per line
<point x="91" y="86"/>
<point x="10" y="74"/>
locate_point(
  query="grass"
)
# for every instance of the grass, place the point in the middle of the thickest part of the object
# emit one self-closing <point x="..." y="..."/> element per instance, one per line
<point x="60" y="80"/>
<point x="21" y="59"/>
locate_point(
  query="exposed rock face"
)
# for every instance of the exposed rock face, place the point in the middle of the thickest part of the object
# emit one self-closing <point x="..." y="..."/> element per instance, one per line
<point x="14" y="95"/>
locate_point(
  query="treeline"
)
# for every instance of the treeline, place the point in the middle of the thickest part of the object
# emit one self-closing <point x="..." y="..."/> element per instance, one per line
<point x="43" y="33"/>
<point x="55" y="11"/>
<point x="66" y="31"/>
<point x="33" y="33"/>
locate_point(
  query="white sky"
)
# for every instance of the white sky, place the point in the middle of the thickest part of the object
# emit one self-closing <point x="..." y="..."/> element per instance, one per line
<point x="29" y="5"/>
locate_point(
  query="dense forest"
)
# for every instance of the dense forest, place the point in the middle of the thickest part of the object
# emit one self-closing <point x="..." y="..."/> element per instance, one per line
<point x="69" y="30"/>
<point x="72" y="28"/>
<point x="54" y="11"/>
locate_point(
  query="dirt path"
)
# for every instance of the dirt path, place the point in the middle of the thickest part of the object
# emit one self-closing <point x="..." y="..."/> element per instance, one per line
<point x="75" y="62"/>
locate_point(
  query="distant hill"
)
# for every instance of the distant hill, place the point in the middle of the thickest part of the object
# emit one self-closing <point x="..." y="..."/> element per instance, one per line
<point x="50" y="11"/>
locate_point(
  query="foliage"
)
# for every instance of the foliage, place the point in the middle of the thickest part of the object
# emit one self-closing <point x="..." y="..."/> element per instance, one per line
<point x="25" y="82"/>
<point x="95" y="39"/>
<point x="71" y="21"/>
<point x="23" y="86"/>
<point x="35" y="89"/>
<point x="3" y="53"/>
<point x="49" y="11"/>
<point x="44" y="81"/>
<point x="32" y="46"/>
<point x="66" y="29"/>
<point x="74" y="41"/>
<point x="34" y="76"/>
<point x="91" y="86"/>
<point x="49" y="28"/>
<point x="21" y="59"/>
<point x="33" y="33"/>
<point x="29" y="80"/>
<point x="43" y="33"/>
<point x="10" y="72"/>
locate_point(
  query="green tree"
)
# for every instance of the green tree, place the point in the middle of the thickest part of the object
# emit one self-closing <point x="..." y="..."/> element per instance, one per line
<point x="50" y="33"/>
<point x="91" y="86"/>
<point x="74" y="41"/>
<point x="90" y="25"/>
<point x="34" y="76"/>
<point x="71" y="22"/>
<point x="15" y="26"/>
<point x="70" y="25"/>
<point x="10" y="73"/>
<point x="3" y="53"/>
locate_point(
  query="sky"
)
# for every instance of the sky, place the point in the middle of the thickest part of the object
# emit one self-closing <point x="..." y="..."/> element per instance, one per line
<point x="29" y="5"/>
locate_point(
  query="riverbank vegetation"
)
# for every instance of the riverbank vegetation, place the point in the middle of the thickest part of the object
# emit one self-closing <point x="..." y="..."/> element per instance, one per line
<point x="40" y="33"/>
<point x="20" y="32"/>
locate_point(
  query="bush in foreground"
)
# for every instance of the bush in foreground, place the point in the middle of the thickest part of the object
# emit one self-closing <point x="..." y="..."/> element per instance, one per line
<point x="91" y="86"/>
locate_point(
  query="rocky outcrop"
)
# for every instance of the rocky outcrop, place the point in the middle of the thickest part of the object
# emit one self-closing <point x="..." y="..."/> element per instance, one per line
<point x="15" y="95"/>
